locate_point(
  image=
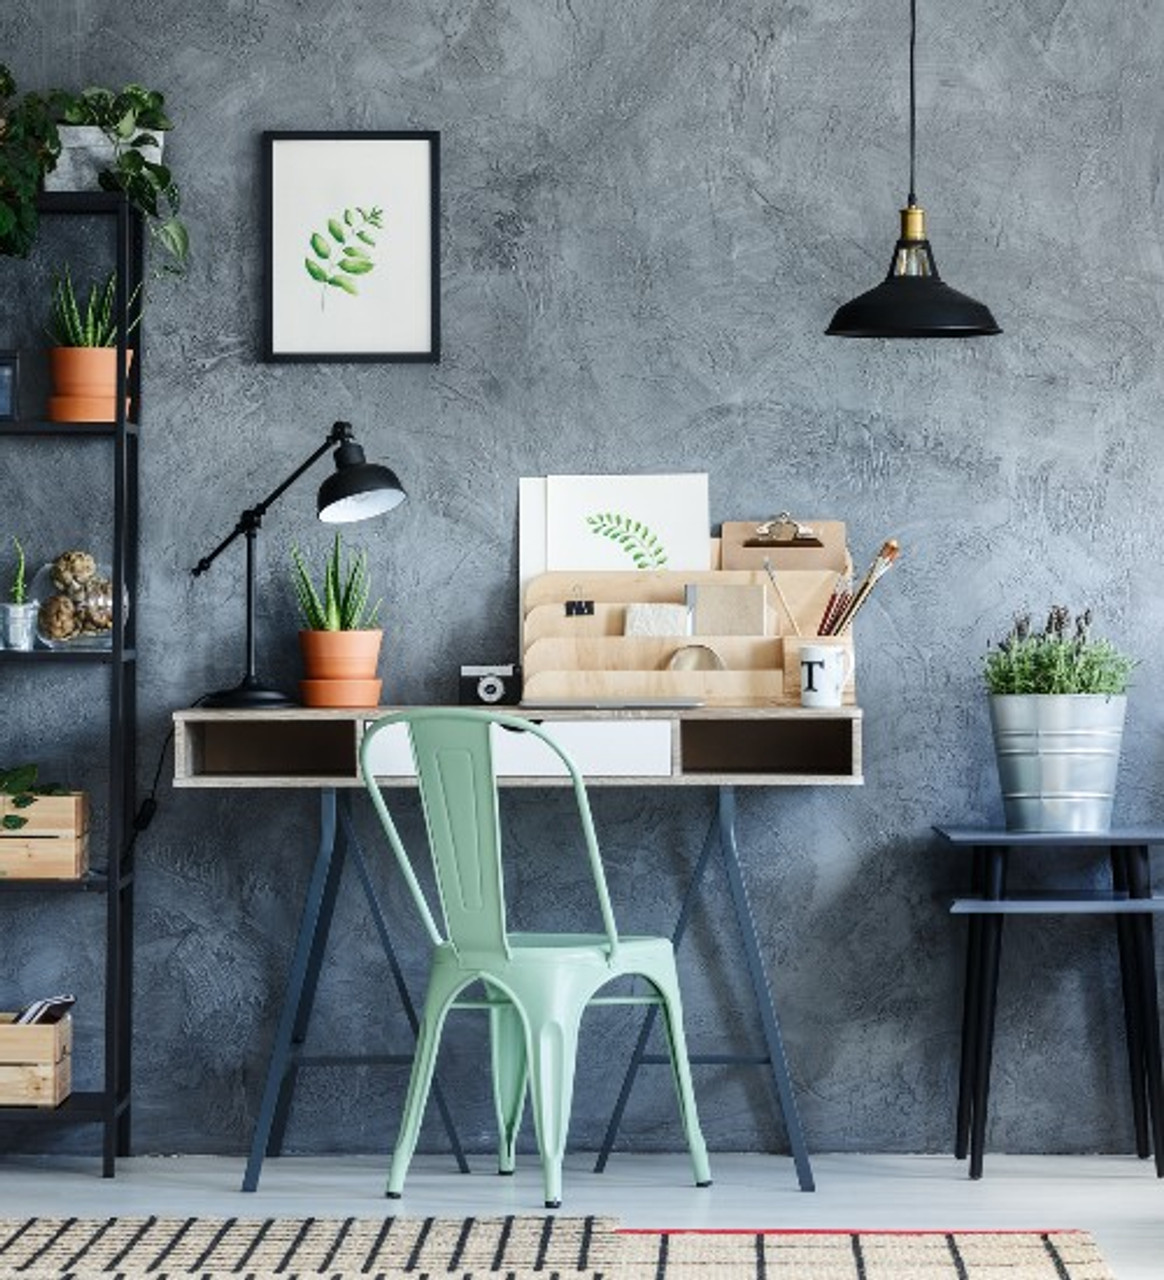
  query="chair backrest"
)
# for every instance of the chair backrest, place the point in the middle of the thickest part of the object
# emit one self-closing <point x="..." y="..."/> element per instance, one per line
<point x="452" y="752"/>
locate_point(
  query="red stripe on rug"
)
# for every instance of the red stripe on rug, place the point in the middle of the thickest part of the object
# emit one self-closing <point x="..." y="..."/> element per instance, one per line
<point x="857" y="1231"/>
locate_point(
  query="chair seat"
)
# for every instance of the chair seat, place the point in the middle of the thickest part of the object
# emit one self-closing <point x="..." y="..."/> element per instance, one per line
<point x="580" y="950"/>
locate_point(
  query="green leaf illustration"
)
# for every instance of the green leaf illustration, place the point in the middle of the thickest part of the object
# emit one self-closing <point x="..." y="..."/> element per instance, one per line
<point x="634" y="537"/>
<point x="344" y="257"/>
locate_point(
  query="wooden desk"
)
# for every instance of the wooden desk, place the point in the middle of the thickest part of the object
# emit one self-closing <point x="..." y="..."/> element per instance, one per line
<point x="720" y="747"/>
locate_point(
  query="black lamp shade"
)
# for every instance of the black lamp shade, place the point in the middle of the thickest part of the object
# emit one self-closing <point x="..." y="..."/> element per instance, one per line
<point x="913" y="307"/>
<point x="913" y="301"/>
<point x="359" y="489"/>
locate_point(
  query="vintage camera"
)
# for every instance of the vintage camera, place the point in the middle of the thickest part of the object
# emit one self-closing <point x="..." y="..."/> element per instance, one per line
<point x="493" y="686"/>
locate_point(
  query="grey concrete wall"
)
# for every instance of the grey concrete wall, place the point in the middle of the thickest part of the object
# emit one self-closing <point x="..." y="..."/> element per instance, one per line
<point x="650" y="210"/>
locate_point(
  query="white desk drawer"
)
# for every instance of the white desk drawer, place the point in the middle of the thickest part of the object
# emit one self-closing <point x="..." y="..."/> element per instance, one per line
<point x="601" y="749"/>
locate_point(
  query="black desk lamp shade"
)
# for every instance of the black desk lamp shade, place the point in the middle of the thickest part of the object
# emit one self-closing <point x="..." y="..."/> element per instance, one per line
<point x="913" y="301"/>
<point x="357" y="490"/>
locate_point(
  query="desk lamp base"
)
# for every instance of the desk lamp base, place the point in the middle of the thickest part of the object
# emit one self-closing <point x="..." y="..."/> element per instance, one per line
<point x="249" y="695"/>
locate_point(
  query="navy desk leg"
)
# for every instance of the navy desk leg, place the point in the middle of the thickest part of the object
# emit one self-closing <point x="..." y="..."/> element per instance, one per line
<point x="1140" y="885"/>
<point x="652" y="1011"/>
<point x="971" y="1005"/>
<point x="763" y="992"/>
<point x="300" y="963"/>
<point x="1133" y="1004"/>
<point x="402" y="991"/>
<point x="723" y="831"/>
<point x="994" y="890"/>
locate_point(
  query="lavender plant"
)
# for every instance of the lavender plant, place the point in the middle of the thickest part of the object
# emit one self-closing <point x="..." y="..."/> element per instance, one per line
<point x="1062" y="658"/>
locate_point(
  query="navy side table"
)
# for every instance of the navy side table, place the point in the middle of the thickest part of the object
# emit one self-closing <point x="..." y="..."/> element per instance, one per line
<point x="1132" y="905"/>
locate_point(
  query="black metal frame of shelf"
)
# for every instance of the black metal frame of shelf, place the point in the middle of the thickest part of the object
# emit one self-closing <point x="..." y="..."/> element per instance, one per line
<point x="110" y="1106"/>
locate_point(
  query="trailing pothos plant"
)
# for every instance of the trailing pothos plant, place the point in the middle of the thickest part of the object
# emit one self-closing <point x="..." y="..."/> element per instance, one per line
<point x="132" y="119"/>
<point x="20" y="786"/>
<point x="29" y="146"/>
<point x="343" y="251"/>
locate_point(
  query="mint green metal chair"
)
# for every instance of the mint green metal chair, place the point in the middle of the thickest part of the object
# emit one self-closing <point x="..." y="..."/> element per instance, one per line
<point x="536" y="985"/>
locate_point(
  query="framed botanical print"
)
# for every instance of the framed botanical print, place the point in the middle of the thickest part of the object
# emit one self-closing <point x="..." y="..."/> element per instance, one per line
<point x="352" y="229"/>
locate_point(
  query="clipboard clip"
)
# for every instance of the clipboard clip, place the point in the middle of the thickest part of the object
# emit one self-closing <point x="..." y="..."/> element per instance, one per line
<point x="783" y="531"/>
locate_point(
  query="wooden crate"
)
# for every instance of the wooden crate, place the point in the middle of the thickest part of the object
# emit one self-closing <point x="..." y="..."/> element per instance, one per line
<point x="54" y="843"/>
<point x="36" y="1062"/>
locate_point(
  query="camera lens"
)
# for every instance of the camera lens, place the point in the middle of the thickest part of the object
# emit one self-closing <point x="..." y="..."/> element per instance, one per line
<point x="490" y="689"/>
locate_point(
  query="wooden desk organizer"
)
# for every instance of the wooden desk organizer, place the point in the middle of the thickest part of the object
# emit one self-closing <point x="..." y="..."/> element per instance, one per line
<point x="581" y="657"/>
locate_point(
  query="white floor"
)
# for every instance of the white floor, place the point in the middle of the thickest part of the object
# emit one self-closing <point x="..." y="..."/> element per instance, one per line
<point x="1117" y="1198"/>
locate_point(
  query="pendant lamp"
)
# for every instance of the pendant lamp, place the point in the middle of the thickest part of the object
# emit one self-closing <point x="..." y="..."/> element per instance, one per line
<point x="913" y="301"/>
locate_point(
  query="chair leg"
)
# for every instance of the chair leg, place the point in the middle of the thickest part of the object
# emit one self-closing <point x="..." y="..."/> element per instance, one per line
<point x="553" y="1051"/>
<point x="510" y="1077"/>
<point x="428" y="1038"/>
<point x="668" y="988"/>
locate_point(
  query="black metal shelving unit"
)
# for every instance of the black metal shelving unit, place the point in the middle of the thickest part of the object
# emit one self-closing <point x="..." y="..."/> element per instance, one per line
<point x="109" y="1106"/>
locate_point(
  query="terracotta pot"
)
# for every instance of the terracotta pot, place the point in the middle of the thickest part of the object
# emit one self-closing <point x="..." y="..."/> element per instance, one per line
<point x="340" y="655"/>
<point x="340" y="693"/>
<point x="85" y="384"/>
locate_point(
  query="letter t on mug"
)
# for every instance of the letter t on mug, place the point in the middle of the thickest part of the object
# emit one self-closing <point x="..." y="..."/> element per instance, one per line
<point x="824" y="669"/>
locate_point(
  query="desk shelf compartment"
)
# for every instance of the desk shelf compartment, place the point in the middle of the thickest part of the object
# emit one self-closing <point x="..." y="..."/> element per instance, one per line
<point x="269" y="750"/>
<point x="802" y="746"/>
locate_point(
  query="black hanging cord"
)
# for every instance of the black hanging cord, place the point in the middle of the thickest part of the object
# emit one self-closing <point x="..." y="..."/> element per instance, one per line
<point x="149" y="806"/>
<point x="912" y="98"/>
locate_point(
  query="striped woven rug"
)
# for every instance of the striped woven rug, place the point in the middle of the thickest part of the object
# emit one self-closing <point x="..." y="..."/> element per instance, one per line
<point x="518" y="1248"/>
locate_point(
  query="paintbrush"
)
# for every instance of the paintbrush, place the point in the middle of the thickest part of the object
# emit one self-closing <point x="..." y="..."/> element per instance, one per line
<point x="881" y="565"/>
<point x="771" y="571"/>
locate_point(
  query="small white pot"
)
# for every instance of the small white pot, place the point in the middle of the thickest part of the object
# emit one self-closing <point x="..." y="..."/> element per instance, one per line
<point x="85" y="151"/>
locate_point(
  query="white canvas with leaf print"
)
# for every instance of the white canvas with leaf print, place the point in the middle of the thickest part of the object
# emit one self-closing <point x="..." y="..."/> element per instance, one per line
<point x="628" y="522"/>
<point x="356" y="210"/>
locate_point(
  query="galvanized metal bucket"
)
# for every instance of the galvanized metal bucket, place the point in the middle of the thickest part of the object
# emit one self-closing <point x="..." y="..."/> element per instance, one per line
<point x="1058" y="755"/>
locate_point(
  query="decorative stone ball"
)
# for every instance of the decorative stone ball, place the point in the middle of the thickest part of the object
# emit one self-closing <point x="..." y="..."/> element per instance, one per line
<point x="58" y="618"/>
<point x="71" y="570"/>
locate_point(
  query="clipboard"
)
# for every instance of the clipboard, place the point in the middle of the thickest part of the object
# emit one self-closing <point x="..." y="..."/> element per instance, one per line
<point x="788" y="542"/>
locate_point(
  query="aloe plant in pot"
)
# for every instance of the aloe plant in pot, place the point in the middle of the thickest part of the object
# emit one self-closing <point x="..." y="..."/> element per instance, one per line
<point x="18" y="612"/>
<point x="1057" y="707"/>
<point x="84" y="356"/>
<point x="340" y="641"/>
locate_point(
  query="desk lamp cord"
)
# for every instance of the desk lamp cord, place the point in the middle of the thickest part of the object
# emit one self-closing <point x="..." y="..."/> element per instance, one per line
<point x="149" y="806"/>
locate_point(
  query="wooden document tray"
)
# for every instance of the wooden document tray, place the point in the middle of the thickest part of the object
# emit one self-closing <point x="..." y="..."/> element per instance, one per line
<point x="575" y="657"/>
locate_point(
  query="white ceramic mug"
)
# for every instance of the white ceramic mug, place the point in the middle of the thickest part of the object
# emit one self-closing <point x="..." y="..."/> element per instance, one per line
<point x="824" y="669"/>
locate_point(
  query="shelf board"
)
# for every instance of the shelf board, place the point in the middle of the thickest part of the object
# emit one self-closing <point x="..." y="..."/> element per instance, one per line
<point x="63" y="429"/>
<point x="101" y="657"/>
<point x="77" y="1108"/>
<point x="90" y="882"/>
<point x="80" y="201"/>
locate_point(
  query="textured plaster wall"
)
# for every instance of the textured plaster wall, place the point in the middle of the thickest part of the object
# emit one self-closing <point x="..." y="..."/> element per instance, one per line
<point x="650" y="209"/>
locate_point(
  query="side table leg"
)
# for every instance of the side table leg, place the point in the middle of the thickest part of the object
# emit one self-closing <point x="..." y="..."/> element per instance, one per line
<point x="971" y="1004"/>
<point x="763" y="992"/>
<point x="281" y="1050"/>
<point x="1133" y="1005"/>
<point x="1140" y="883"/>
<point x="995" y="889"/>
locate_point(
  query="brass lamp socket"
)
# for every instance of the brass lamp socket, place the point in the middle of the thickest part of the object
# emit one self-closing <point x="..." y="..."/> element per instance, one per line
<point x="913" y="223"/>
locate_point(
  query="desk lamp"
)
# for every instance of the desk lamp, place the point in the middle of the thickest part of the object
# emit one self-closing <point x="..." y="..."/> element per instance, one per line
<point x="357" y="490"/>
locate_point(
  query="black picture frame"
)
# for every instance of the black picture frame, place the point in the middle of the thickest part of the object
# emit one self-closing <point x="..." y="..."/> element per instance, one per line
<point x="9" y="386"/>
<point x="322" y="243"/>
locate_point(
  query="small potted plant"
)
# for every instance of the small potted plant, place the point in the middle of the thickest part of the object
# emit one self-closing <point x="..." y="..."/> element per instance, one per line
<point x="29" y="145"/>
<point x="113" y="141"/>
<point x="340" y="641"/>
<point x="84" y="358"/>
<point x="1058" y="698"/>
<point x="18" y="611"/>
